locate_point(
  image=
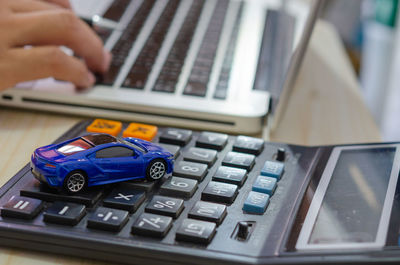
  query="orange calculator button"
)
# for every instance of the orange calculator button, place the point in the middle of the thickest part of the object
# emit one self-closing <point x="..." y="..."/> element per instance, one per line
<point x="141" y="131"/>
<point x="105" y="126"/>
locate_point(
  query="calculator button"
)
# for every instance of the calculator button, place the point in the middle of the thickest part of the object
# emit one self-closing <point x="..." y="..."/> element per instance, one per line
<point x="256" y="202"/>
<point x="231" y="175"/>
<point x="265" y="185"/>
<point x="212" y="140"/>
<point x="105" y="126"/>
<point x="22" y="207"/>
<point x="107" y="219"/>
<point x="173" y="149"/>
<point x="200" y="155"/>
<point x="35" y="189"/>
<point x="176" y="136"/>
<point x="146" y="186"/>
<point x="220" y="192"/>
<point x="190" y="170"/>
<point x="64" y="213"/>
<point x="165" y="206"/>
<point x="280" y="154"/>
<point x="153" y="225"/>
<point x="179" y="187"/>
<point x="251" y="145"/>
<point x="142" y="131"/>
<point x="207" y="211"/>
<point x="196" y="231"/>
<point x="273" y="169"/>
<point x="240" y="160"/>
<point x="125" y="198"/>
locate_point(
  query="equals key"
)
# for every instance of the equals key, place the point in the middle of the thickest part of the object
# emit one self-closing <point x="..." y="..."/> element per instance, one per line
<point x="22" y="207"/>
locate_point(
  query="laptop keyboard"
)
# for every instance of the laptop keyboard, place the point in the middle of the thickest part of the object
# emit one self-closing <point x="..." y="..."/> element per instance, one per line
<point x="140" y="71"/>
<point x="199" y="77"/>
<point x="123" y="46"/>
<point x="171" y="68"/>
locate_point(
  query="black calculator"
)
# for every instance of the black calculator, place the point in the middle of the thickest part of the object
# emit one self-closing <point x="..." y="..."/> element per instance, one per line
<point x="230" y="200"/>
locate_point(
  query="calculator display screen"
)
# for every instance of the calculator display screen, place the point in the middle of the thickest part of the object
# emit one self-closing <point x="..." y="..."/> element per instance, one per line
<point x="348" y="208"/>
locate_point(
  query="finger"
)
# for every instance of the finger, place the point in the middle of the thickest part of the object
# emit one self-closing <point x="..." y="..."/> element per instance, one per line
<point x="63" y="3"/>
<point x="31" y="5"/>
<point x="61" y="27"/>
<point x="21" y="65"/>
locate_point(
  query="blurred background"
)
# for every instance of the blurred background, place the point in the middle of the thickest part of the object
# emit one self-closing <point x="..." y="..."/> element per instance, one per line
<point x="371" y="34"/>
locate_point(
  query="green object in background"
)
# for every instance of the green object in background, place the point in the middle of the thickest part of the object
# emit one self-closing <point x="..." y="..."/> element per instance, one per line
<point x="386" y="12"/>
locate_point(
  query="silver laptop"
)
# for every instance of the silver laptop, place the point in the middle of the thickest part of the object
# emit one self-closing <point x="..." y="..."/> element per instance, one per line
<point x="206" y="64"/>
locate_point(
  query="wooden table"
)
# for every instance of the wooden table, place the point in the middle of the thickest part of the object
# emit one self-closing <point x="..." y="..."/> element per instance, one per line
<point x="325" y="108"/>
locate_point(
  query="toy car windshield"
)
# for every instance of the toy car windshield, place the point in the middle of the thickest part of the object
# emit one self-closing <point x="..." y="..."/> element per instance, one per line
<point x="98" y="139"/>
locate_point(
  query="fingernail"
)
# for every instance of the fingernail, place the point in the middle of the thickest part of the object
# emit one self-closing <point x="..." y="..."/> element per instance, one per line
<point x="106" y="60"/>
<point x="91" y="79"/>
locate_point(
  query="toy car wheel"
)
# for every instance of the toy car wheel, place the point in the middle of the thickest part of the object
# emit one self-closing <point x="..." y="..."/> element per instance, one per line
<point x="75" y="182"/>
<point x="156" y="169"/>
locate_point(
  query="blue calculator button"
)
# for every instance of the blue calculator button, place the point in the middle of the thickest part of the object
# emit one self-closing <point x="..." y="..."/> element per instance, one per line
<point x="265" y="185"/>
<point x="256" y="202"/>
<point x="272" y="169"/>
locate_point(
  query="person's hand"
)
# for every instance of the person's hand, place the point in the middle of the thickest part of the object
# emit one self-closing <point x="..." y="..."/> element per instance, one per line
<point x="45" y="25"/>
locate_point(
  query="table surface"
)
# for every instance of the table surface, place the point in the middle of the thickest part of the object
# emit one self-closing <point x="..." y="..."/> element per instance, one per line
<point x="329" y="116"/>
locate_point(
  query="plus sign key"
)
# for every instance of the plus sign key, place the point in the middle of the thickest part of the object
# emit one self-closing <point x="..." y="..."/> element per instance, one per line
<point x="220" y="192"/>
<point x="125" y="198"/>
<point x="152" y="225"/>
<point x="107" y="219"/>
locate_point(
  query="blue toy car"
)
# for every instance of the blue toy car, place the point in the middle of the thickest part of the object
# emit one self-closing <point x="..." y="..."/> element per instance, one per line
<point x="98" y="159"/>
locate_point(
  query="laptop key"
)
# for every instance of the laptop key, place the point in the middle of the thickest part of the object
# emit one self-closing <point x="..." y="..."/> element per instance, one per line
<point x="212" y="140"/>
<point x="190" y="170"/>
<point x="22" y="207"/>
<point x="152" y="225"/>
<point x="200" y="155"/>
<point x="64" y="213"/>
<point x="179" y="187"/>
<point x="176" y="136"/>
<point x="165" y="206"/>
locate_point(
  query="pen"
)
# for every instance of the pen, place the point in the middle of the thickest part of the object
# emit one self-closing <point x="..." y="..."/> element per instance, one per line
<point x="98" y="21"/>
